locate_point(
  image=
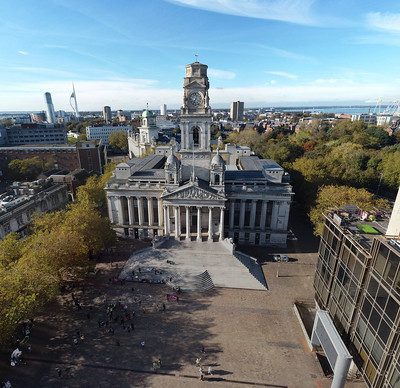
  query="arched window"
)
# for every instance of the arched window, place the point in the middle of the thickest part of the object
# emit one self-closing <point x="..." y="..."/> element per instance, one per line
<point x="196" y="136"/>
<point x="216" y="178"/>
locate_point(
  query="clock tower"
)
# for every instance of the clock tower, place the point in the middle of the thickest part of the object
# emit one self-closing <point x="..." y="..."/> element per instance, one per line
<point x="195" y="112"/>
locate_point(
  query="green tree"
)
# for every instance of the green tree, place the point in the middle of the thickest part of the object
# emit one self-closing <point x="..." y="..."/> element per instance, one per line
<point x="119" y="140"/>
<point x="332" y="197"/>
<point x="27" y="169"/>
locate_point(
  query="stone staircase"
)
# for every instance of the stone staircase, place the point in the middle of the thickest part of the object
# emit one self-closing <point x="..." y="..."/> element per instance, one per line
<point x="203" y="282"/>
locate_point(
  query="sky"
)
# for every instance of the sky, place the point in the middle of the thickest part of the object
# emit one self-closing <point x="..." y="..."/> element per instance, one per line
<point x="126" y="53"/>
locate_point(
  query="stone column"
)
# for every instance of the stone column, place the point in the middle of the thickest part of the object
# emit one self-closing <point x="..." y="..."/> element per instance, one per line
<point x="166" y="225"/>
<point x="198" y="223"/>
<point x="160" y="213"/>
<point x="140" y="210"/>
<point x="120" y="214"/>
<point x="253" y="213"/>
<point x="263" y="217"/>
<point x="274" y="215"/>
<point x="232" y="215"/>
<point x="130" y="211"/>
<point x="109" y="206"/>
<point x="221" y="224"/>
<point x="210" y="228"/>
<point x="177" y="223"/>
<point x="242" y="211"/>
<point x="187" y="222"/>
<point x="150" y="210"/>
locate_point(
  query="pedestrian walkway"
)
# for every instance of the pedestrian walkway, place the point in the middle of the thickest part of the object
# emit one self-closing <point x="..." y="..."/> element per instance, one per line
<point x="183" y="262"/>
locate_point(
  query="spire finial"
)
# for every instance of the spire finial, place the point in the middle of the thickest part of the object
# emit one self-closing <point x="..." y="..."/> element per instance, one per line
<point x="197" y="57"/>
<point x="147" y="105"/>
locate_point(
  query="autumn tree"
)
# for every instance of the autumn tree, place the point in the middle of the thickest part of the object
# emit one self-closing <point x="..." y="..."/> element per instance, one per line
<point x="331" y="197"/>
<point x="119" y="140"/>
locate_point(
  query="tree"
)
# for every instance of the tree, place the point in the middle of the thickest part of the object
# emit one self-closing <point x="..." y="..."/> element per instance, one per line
<point x="331" y="197"/>
<point x="27" y="169"/>
<point x="119" y="140"/>
<point x="390" y="167"/>
<point x="10" y="249"/>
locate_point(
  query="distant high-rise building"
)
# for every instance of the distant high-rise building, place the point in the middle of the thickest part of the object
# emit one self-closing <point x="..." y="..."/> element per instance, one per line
<point x="75" y="106"/>
<point x="107" y="114"/>
<point x="50" y="115"/>
<point x="237" y="108"/>
<point x="163" y="110"/>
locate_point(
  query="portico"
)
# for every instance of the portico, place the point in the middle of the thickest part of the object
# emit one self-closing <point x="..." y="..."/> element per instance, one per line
<point x="194" y="212"/>
<point x="194" y="222"/>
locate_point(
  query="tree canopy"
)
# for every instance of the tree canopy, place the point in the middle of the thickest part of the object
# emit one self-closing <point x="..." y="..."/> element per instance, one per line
<point x="119" y="140"/>
<point x="60" y="245"/>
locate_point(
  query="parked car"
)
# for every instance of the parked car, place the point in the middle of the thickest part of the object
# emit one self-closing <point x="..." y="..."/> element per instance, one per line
<point x="282" y="258"/>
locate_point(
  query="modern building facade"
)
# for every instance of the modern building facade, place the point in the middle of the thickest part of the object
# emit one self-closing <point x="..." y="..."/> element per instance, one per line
<point x="18" y="205"/>
<point x="163" y="110"/>
<point x="34" y="133"/>
<point x="103" y="132"/>
<point x="197" y="194"/>
<point x="237" y="109"/>
<point x="357" y="281"/>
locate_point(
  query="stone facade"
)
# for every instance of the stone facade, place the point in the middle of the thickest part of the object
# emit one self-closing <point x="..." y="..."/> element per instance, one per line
<point x="25" y="199"/>
<point x="197" y="194"/>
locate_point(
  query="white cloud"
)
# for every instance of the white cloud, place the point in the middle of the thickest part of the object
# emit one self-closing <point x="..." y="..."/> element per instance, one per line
<point x="389" y="22"/>
<point x="22" y="52"/>
<point x="221" y="74"/>
<point x="283" y="74"/>
<point x="44" y="71"/>
<point x="292" y="11"/>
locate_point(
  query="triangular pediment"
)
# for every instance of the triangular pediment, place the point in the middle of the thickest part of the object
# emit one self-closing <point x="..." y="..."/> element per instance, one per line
<point x="195" y="192"/>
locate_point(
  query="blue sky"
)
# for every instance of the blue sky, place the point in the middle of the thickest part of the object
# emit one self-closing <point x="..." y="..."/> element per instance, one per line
<point x="266" y="53"/>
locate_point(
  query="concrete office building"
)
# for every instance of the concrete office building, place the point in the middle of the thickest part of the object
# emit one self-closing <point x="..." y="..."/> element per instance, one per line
<point x="107" y="116"/>
<point x="102" y="132"/>
<point x="34" y="133"/>
<point x="196" y="193"/>
<point x="50" y="115"/>
<point x="357" y="281"/>
<point x="237" y="108"/>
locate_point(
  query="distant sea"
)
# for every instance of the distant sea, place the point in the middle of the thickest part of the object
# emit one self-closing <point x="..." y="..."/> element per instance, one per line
<point x="350" y="109"/>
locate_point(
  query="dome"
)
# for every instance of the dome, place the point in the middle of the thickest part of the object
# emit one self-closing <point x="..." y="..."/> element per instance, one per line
<point x="217" y="160"/>
<point x="147" y="113"/>
<point x="172" y="160"/>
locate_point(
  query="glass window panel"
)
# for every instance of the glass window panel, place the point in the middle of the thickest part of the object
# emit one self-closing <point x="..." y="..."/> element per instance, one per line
<point x="377" y="352"/>
<point x="381" y="297"/>
<point x="368" y="339"/>
<point x="374" y="319"/>
<point x="357" y="270"/>
<point x="372" y="287"/>
<point x="361" y="327"/>
<point x="352" y="289"/>
<point x="391" y="309"/>
<point x="391" y="268"/>
<point x="351" y="263"/>
<point x="381" y="260"/>
<point x="395" y="380"/>
<point x="384" y="331"/>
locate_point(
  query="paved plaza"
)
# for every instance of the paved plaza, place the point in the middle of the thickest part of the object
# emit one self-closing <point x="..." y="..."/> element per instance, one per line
<point x="251" y="337"/>
<point x="184" y="261"/>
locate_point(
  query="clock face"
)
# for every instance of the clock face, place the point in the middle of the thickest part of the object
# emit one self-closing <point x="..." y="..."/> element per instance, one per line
<point x="195" y="99"/>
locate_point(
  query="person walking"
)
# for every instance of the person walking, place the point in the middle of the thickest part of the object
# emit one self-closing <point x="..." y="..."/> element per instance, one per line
<point x="201" y="373"/>
<point x="209" y="370"/>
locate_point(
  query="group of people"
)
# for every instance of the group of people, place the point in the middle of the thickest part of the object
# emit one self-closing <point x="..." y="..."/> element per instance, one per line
<point x="198" y="364"/>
